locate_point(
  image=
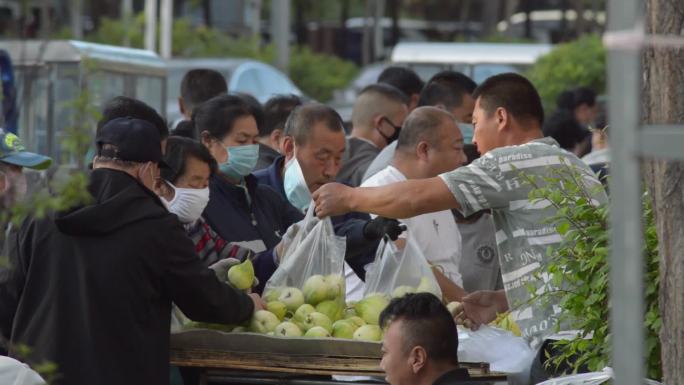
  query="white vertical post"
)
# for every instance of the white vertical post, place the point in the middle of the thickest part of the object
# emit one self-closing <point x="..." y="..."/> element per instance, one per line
<point x="166" y="31"/>
<point x="378" y="36"/>
<point x="126" y="15"/>
<point x="150" y="25"/>
<point x="76" y="11"/>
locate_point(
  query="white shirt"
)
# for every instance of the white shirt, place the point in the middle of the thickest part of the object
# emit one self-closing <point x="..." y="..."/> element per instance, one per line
<point x="436" y="233"/>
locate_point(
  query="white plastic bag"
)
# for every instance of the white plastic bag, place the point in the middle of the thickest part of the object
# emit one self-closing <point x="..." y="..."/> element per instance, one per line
<point x="593" y="378"/>
<point x="501" y="349"/>
<point x="397" y="272"/>
<point x="315" y="249"/>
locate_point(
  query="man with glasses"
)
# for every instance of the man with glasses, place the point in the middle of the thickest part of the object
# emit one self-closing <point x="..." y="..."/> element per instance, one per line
<point x="378" y="114"/>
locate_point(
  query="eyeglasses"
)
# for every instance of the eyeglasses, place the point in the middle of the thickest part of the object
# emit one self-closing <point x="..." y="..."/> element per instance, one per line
<point x="391" y="123"/>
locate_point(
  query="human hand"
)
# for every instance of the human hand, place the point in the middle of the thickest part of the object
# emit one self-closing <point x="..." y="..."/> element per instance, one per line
<point x="259" y="303"/>
<point x="381" y="226"/>
<point x="332" y="199"/>
<point x="222" y="266"/>
<point x="479" y="308"/>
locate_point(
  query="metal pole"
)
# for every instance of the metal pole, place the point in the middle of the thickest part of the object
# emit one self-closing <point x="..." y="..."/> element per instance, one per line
<point x="256" y="20"/>
<point x="126" y="13"/>
<point x="150" y="24"/>
<point x="626" y="257"/>
<point x="378" y="41"/>
<point x="280" y="21"/>
<point x="76" y="11"/>
<point x="166" y="32"/>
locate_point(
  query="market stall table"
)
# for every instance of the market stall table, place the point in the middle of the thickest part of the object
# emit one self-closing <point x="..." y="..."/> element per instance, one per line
<point x="247" y="358"/>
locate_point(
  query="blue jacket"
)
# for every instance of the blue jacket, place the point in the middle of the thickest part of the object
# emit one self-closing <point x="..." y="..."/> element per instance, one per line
<point x="360" y="250"/>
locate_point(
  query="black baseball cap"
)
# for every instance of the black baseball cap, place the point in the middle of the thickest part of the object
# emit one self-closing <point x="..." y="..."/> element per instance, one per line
<point x="136" y="140"/>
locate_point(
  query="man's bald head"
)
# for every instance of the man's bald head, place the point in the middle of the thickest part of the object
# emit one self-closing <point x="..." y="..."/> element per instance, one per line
<point x="430" y="143"/>
<point x="423" y="125"/>
<point x="377" y="100"/>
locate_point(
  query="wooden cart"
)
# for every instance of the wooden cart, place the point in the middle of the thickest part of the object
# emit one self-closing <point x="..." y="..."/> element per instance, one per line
<point x="247" y="358"/>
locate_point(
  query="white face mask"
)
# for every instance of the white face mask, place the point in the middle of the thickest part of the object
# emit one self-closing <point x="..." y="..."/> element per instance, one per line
<point x="188" y="203"/>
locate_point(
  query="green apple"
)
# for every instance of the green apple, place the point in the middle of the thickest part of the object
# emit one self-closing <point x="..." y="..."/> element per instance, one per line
<point x="278" y="308"/>
<point x="336" y="287"/>
<point x="287" y="329"/>
<point x="357" y="321"/>
<point x="344" y="329"/>
<point x="315" y="290"/>
<point x="263" y="321"/>
<point x="241" y="276"/>
<point x="369" y="308"/>
<point x="331" y="308"/>
<point x="317" y="332"/>
<point x="368" y="333"/>
<point x="291" y="297"/>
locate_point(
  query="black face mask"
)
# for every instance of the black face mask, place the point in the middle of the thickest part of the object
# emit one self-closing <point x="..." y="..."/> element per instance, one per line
<point x="394" y="136"/>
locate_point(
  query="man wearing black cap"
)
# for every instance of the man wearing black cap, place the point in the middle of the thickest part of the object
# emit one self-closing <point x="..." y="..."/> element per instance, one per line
<point x="90" y="288"/>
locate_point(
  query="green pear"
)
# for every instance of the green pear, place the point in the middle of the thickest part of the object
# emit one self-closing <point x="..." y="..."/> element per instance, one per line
<point x="287" y="329"/>
<point x="401" y="291"/>
<point x="271" y="295"/>
<point x="263" y="321"/>
<point x="336" y="287"/>
<point x="368" y="333"/>
<point x="317" y="332"/>
<point x="427" y="286"/>
<point x="242" y="276"/>
<point x="291" y="297"/>
<point x="357" y="321"/>
<point x="369" y="308"/>
<point x="278" y="308"/>
<point x="315" y="290"/>
<point x="317" y="319"/>
<point x="302" y="312"/>
<point x="344" y="329"/>
<point x="349" y="311"/>
<point x="331" y="308"/>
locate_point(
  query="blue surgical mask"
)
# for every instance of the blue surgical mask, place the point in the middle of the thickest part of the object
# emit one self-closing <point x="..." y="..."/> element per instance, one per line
<point x="241" y="161"/>
<point x="296" y="190"/>
<point x="467" y="130"/>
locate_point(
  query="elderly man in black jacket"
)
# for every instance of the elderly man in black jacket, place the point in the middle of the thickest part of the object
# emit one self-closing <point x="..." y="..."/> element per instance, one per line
<point x="90" y="288"/>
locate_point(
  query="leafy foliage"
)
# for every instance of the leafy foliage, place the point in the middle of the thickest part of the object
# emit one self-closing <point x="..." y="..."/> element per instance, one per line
<point x="578" y="63"/>
<point x="579" y="272"/>
<point x="316" y="74"/>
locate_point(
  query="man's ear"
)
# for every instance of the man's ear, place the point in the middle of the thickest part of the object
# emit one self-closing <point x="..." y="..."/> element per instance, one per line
<point x="275" y="138"/>
<point x="417" y="359"/>
<point x="502" y="118"/>
<point x="422" y="150"/>
<point x="287" y="147"/>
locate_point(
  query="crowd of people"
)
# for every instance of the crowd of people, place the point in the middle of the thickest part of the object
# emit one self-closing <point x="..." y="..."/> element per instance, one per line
<point x="91" y="288"/>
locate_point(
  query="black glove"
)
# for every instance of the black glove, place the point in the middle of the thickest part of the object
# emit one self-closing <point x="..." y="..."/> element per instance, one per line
<point x="380" y="226"/>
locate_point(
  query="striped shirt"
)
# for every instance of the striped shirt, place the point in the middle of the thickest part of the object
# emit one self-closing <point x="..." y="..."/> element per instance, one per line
<point x="523" y="235"/>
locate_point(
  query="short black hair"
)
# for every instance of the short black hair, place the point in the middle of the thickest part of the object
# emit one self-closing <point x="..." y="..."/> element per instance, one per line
<point x="201" y="84"/>
<point x="186" y="129"/>
<point x="573" y="98"/>
<point x="403" y="78"/>
<point x="565" y="129"/>
<point x="255" y="108"/>
<point x="512" y="92"/>
<point x="447" y="88"/>
<point x="124" y="106"/>
<point x="388" y="91"/>
<point x="218" y="115"/>
<point x="303" y="118"/>
<point x="426" y="322"/>
<point x="178" y="150"/>
<point x="276" y="111"/>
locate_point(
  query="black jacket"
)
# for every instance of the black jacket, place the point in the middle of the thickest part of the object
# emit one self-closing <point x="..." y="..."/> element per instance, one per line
<point x="91" y="289"/>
